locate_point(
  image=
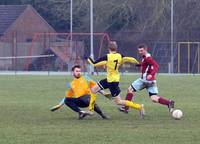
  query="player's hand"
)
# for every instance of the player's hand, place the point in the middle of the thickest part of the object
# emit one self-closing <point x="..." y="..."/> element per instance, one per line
<point x="149" y="77"/>
<point x="88" y="60"/>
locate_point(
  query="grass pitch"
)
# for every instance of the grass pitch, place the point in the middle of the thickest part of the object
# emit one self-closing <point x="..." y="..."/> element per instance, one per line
<point x="25" y="117"/>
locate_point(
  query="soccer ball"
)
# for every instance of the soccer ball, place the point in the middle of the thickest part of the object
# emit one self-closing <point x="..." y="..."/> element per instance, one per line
<point x="177" y="114"/>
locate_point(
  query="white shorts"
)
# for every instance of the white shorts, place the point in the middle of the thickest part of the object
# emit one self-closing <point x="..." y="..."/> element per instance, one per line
<point x="150" y="86"/>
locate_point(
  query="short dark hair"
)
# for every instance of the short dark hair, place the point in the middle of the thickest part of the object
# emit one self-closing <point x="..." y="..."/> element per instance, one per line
<point x="112" y="46"/>
<point x="76" y="66"/>
<point x="142" y="46"/>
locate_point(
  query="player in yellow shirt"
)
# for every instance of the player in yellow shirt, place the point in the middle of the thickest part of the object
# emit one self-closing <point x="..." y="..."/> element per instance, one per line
<point x="113" y="61"/>
<point x="78" y="94"/>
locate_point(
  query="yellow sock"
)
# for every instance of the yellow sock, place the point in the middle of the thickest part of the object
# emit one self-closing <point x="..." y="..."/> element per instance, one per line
<point x="92" y="101"/>
<point x="133" y="105"/>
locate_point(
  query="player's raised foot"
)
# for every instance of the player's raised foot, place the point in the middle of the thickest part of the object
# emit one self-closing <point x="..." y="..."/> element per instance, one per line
<point x="142" y="112"/>
<point x="54" y="108"/>
<point x="171" y="106"/>
<point x="82" y="114"/>
<point x="123" y="109"/>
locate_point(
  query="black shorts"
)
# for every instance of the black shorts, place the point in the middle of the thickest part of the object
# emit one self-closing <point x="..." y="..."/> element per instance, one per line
<point x="82" y="101"/>
<point x="112" y="86"/>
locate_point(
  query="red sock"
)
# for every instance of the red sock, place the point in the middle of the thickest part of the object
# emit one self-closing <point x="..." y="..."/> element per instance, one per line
<point x="129" y="97"/>
<point x="163" y="101"/>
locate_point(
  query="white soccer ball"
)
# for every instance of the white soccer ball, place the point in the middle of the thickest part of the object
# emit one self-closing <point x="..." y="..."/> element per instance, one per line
<point x="177" y="114"/>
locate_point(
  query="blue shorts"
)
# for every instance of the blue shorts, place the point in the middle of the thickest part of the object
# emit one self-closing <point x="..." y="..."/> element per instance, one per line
<point x="150" y="86"/>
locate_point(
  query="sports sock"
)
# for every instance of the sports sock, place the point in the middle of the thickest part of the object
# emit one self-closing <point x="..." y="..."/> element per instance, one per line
<point x="129" y="97"/>
<point x="92" y="101"/>
<point x="98" y="110"/>
<point x="133" y="105"/>
<point x="163" y="101"/>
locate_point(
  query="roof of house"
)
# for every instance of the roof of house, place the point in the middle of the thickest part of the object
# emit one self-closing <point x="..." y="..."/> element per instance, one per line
<point x="8" y="14"/>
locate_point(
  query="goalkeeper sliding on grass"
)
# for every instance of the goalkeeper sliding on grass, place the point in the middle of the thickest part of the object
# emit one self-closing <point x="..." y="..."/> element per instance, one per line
<point x="78" y="94"/>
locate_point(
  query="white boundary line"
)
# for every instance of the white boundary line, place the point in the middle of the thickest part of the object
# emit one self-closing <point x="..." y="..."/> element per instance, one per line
<point x="34" y="56"/>
<point x="53" y="73"/>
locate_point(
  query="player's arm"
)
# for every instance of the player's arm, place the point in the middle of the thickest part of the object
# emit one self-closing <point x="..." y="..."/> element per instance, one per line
<point x="69" y="93"/>
<point x="129" y="59"/>
<point x="58" y="106"/>
<point x="154" y="67"/>
<point x="99" y="62"/>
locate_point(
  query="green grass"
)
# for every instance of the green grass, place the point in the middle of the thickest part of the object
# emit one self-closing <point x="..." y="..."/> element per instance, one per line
<point x="25" y="117"/>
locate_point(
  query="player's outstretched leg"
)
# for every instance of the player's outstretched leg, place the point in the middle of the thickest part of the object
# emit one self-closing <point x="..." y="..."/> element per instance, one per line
<point x="84" y="101"/>
<point x="92" y="103"/>
<point x="72" y="103"/>
<point x="163" y="101"/>
<point x="129" y="97"/>
<point x="98" y="110"/>
<point x="94" y="90"/>
<point x="130" y="104"/>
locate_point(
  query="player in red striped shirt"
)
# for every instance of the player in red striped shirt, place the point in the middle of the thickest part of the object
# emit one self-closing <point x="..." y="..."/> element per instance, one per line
<point x="149" y="68"/>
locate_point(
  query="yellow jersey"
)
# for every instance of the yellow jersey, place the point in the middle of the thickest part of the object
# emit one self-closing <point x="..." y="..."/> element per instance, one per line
<point x="79" y="87"/>
<point x="112" y="61"/>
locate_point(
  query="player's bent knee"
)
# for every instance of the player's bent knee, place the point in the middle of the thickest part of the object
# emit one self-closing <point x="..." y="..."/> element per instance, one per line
<point x="95" y="89"/>
<point x="154" y="101"/>
<point x="118" y="102"/>
<point x="130" y="90"/>
<point x="92" y="90"/>
<point x="154" y="98"/>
